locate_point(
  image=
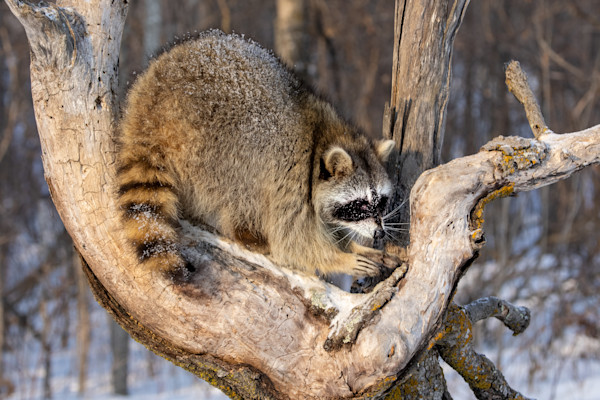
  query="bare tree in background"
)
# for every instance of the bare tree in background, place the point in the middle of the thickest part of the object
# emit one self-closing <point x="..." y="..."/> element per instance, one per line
<point x="328" y="40"/>
<point x="83" y="326"/>
<point x="290" y="30"/>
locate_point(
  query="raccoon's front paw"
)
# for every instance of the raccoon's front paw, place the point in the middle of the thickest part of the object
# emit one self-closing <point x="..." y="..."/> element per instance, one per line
<point x="401" y="253"/>
<point x="364" y="266"/>
<point x="391" y="261"/>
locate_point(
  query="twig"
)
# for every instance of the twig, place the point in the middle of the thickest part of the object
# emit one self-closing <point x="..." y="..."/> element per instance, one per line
<point x="516" y="80"/>
<point x="513" y="317"/>
<point x="346" y="327"/>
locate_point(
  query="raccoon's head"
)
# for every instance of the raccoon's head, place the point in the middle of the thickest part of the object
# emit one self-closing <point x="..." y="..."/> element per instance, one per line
<point x="353" y="191"/>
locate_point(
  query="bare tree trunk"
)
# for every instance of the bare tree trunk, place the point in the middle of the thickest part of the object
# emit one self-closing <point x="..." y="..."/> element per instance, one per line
<point x="83" y="325"/>
<point x="3" y="381"/>
<point x="225" y="15"/>
<point x="289" y="33"/>
<point x="152" y="27"/>
<point x="119" y="345"/>
<point x="45" y="342"/>
<point x="423" y="40"/>
<point x="251" y="328"/>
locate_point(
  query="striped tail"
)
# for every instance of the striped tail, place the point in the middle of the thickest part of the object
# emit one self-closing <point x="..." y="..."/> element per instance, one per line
<point x="149" y="204"/>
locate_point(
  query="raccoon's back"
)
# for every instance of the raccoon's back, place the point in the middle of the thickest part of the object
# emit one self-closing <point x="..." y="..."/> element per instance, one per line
<point x="212" y="130"/>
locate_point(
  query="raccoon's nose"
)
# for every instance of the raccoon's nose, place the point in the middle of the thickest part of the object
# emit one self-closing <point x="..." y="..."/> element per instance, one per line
<point x="379" y="234"/>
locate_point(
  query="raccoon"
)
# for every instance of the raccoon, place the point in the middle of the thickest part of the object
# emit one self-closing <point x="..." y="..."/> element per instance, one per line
<point x="219" y="131"/>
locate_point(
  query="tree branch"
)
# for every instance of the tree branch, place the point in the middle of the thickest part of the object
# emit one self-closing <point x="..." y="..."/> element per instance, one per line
<point x="345" y="328"/>
<point x="513" y="317"/>
<point x="516" y="80"/>
<point x="456" y="348"/>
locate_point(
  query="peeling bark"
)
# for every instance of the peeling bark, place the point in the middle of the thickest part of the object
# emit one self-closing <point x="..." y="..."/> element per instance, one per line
<point x="247" y="326"/>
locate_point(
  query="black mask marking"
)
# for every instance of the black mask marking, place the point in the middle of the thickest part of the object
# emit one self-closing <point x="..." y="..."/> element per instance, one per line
<point x="361" y="209"/>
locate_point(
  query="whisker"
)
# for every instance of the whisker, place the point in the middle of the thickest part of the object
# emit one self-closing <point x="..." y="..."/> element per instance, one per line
<point x="394" y="211"/>
<point x="337" y="229"/>
<point x="396" y="229"/>
<point x="397" y="223"/>
<point x="390" y="237"/>
<point x="344" y="237"/>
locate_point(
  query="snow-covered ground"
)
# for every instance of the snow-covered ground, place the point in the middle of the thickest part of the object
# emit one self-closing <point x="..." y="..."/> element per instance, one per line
<point x="150" y="377"/>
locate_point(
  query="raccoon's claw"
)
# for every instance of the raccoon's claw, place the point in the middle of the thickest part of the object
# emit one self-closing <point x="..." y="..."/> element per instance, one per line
<point x="379" y="258"/>
<point x="391" y="261"/>
<point x="365" y="267"/>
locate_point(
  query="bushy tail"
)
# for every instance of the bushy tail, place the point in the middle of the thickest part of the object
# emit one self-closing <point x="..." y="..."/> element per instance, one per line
<point x="148" y="203"/>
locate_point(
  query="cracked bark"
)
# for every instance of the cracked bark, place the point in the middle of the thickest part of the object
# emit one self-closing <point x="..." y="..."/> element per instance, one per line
<point x="251" y="328"/>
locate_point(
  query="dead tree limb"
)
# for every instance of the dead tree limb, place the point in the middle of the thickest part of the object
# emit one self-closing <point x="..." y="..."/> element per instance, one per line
<point x="455" y="346"/>
<point x="251" y="328"/>
<point x="513" y="317"/>
<point x="516" y="80"/>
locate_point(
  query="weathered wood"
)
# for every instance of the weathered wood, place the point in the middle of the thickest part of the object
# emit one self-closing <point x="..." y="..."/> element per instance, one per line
<point x="513" y="317"/>
<point x="424" y="35"/>
<point x="256" y="321"/>
<point x="516" y="80"/>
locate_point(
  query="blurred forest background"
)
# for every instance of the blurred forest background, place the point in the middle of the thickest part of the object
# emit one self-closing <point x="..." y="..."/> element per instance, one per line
<point x="543" y="247"/>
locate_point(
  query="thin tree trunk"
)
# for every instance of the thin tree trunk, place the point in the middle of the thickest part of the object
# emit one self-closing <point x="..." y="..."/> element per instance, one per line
<point x="119" y="345"/>
<point x="3" y="380"/>
<point x="83" y="325"/>
<point x="45" y="342"/>
<point x="152" y="27"/>
<point x="289" y="33"/>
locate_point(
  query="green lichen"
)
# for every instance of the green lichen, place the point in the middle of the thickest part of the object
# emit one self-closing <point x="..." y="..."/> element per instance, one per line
<point x="318" y="305"/>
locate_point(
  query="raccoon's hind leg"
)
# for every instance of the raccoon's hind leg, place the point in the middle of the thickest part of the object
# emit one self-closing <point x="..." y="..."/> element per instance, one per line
<point x="148" y="205"/>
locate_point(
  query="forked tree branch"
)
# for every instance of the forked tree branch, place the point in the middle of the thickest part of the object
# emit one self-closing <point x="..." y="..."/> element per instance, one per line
<point x="258" y="322"/>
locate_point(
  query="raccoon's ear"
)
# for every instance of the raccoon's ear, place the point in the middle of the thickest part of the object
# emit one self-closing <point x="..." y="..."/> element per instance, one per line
<point x="337" y="162"/>
<point x="383" y="149"/>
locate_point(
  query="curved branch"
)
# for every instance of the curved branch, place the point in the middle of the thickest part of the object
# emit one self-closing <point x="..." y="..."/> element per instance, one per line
<point x="456" y="348"/>
<point x="513" y="317"/>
